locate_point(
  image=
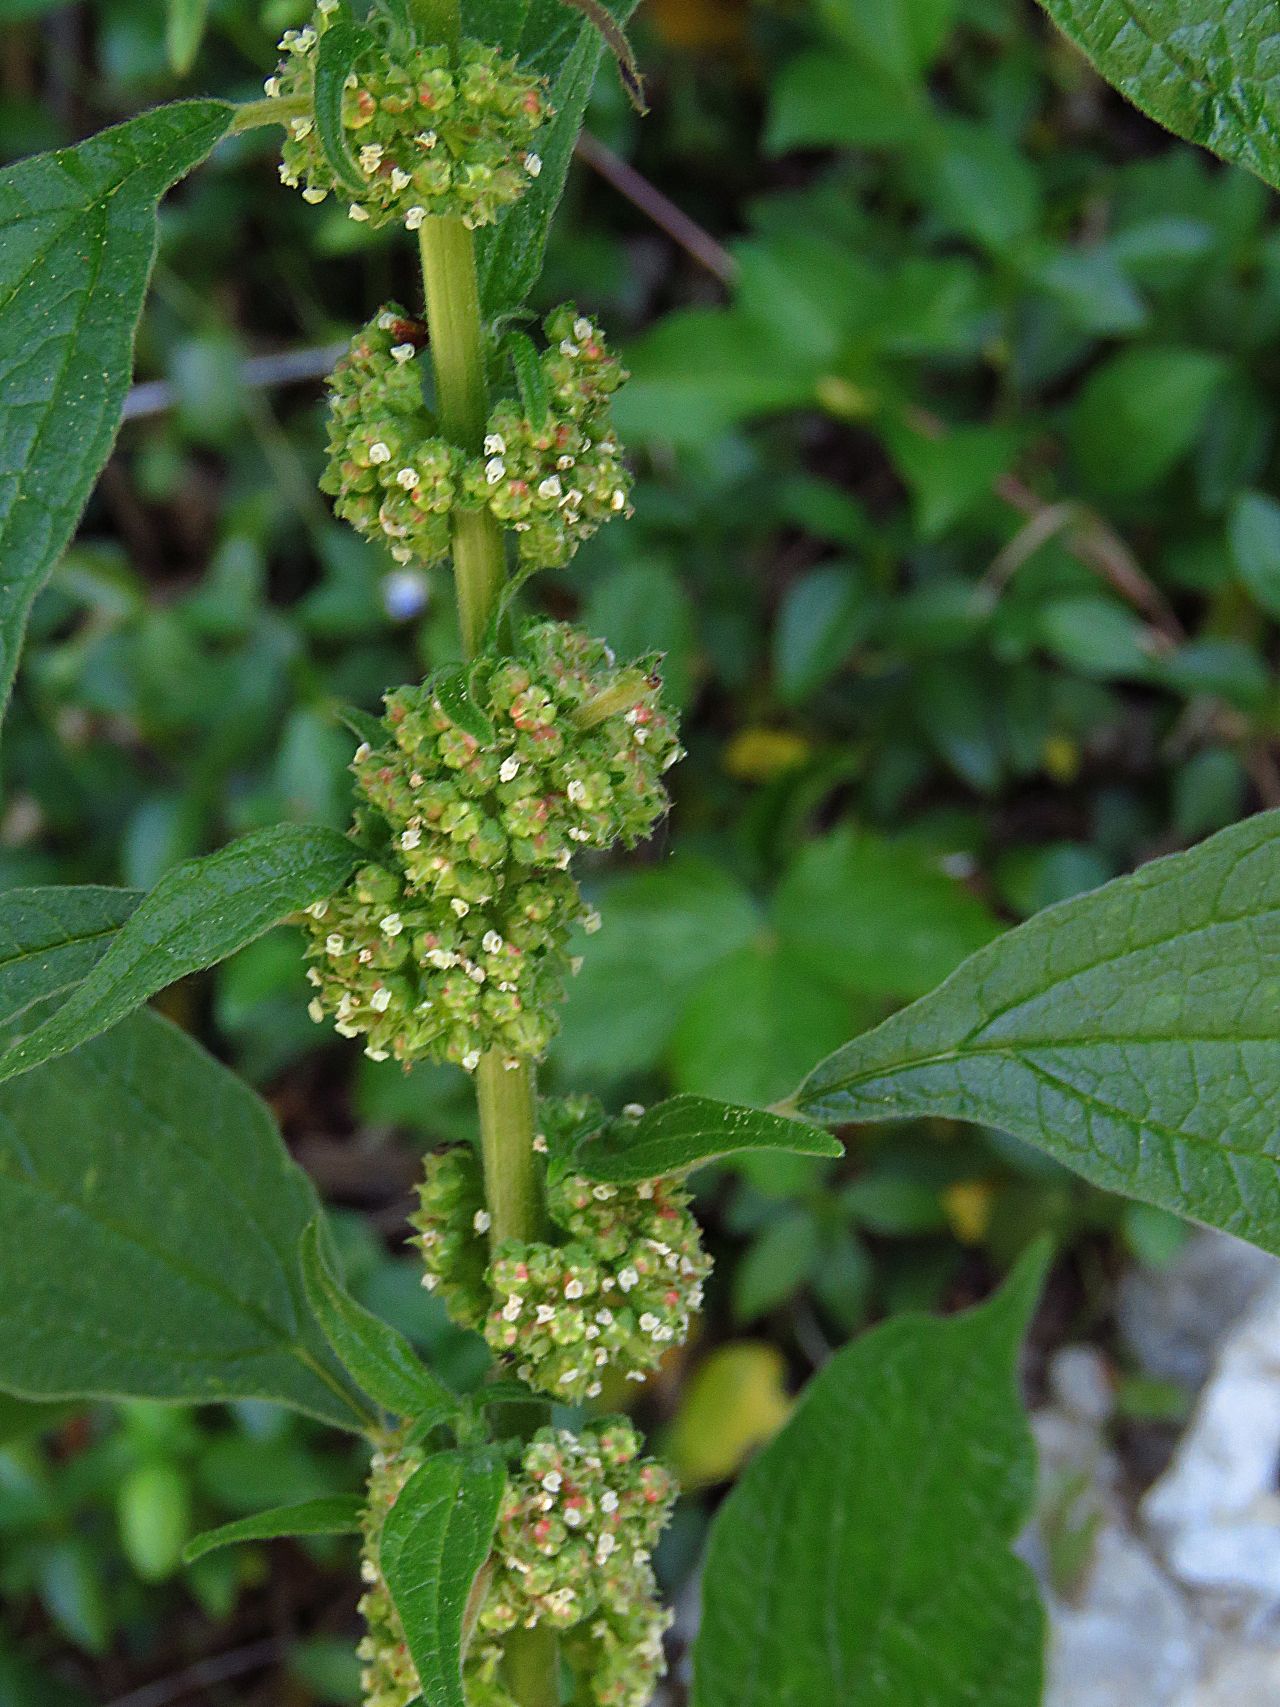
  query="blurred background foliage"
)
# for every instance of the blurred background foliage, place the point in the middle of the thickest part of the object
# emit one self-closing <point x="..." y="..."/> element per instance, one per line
<point x="955" y="432"/>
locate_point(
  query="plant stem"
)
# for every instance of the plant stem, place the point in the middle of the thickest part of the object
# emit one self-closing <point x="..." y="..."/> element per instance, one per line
<point x="506" y="1096"/>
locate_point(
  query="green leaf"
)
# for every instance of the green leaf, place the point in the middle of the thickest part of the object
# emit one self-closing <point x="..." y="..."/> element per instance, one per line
<point x="556" y="42"/>
<point x="864" y="1555"/>
<point x="687" y="1132"/>
<point x="198" y="914"/>
<point x="826" y="99"/>
<point x="876" y="917"/>
<point x="363" y="724"/>
<point x="434" y="1543"/>
<point x="80" y="239"/>
<point x="50" y="940"/>
<point x="1139" y="413"/>
<point x="183" y="32"/>
<point x="453" y="687"/>
<point x="152" y="1218"/>
<point x="338" y="1514"/>
<point x="824" y="615"/>
<point x="1253" y="533"/>
<point x="1133" y="1033"/>
<point x="1205" y="69"/>
<point x="377" y="1355"/>
<point x="340" y="49"/>
<point x="776" y="1266"/>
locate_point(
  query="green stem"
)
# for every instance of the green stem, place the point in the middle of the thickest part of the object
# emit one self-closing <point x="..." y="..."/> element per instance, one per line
<point x="513" y="1190"/>
<point x="253" y="115"/>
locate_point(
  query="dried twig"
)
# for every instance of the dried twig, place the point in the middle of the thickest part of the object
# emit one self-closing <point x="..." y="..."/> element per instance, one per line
<point x="205" y="1674"/>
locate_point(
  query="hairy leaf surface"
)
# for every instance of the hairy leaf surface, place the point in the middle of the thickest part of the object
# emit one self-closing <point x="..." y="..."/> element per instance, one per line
<point x="1208" y="70"/>
<point x="864" y="1555"/>
<point x="79" y="241"/>
<point x="335" y="1514"/>
<point x="152" y="1218"/>
<point x="50" y="940"/>
<point x="686" y="1132"/>
<point x="198" y="914"/>
<point x="1133" y="1033"/>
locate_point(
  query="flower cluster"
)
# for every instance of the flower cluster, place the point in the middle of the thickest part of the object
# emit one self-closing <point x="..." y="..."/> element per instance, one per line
<point x="577" y="1525"/>
<point x="390" y="475"/>
<point x="615" y="1294"/>
<point x="553" y="481"/>
<point x="429" y="132"/>
<point x="556" y="479"/>
<point x="389" y="1678"/>
<point x="451" y="941"/>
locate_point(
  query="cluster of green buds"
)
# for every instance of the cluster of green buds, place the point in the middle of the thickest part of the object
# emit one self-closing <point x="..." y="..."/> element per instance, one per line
<point x="428" y="132"/>
<point x="452" y="940"/>
<point x="552" y="469"/>
<point x="391" y="476"/>
<point x="615" y="1293"/>
<point x="389" y="1677"/>
<point x="577" y="1526"/>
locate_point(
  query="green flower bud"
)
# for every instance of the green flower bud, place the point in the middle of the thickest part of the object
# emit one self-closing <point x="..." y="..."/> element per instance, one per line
<point x="432" y="132"/>
<point x="452" y="940"/>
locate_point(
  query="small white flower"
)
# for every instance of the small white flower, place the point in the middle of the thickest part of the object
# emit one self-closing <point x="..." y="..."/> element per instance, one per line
<point x="415" y="218"/>
<point x="426" y="139"/>
<point x="335" y="943"/>
<point x="371" y="157"/>
<point x="619" y="499"/>
<point x="410" y="840"/>
<point x="602" y="1193"/>
<point x="578" y="835"/>
<point x="608" y="1500"/>
<point x="482" y="1221"/>
<point x="649" y="1323"/>
<point x="512" y="1064"/>
<point x="315" y="1007"/>
<point x="509" y="770"/>
<point x="574" y="1288"/>
<point x="569" y="348"/>
<point x="633" y="1110"/>
<point x="477" y="974"/>
<point x="495" y="445"/>
<point x="540" y="1142"/>
<point x="512" y="1308"/>
<point x="494" y="470"/>
<point x="550" y="487"/>
<point x="595" y="1389"/>
<point x="301" y="127"/>
<point x="361" y="753"/>
<point x="391" y="925"/>
<point x="408" y="478"/>
<point x="591" y="921"/>
<point x="346" y="1005"/>
<point x="491" y="942"/>
<point x="583" y="329"/>
<point x="345" y="1030"/>
<point x="553" y="1481"/>
<point x="431" y="1281"/>
<point x="572" y="1518"/>
<point x="287" y="178"/>
<point x="628" y="1278"/>
<point x="402" y="353"/>
<point x="605" y="1318"/>
<point x="379" y="451"/>
<point x="636" y="1375"/>
<point x="313" y="977"/>
<point x="328" y="7"/>
<point x="645" y="1188"/>
<point x="377" y="1054"/>
<point x="358" y="213"/>
<point x="441" y="959"/>
<point x="380" y="1000"/>
<point x="471" y="1060"/>
<point x="544" y="1314"/>
<point x="272" y="87"/>
<point x="577" y="791"/>
<point x="318" y="909"/>
<point x="533" y="165"/>
<point x="386" y="320"/>
<point x="460" y="907"/>
<point x="365" y="957"/>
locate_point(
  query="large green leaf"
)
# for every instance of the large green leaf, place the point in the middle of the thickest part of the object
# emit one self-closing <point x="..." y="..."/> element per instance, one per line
<point x="434" y="1542"/>
<point x="556" y="42"/>
<point x="50" y="940"/>
<point x="151" y="1222"/>
<point x="79" y="240"/>
<point x="864" y="1556"/>
<point x="1205" y="69"/>
<point x="1133" y="1033"/>
<point x="198" y="914"/>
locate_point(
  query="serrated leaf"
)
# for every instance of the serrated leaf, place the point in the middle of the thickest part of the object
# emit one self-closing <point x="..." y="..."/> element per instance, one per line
<point x="434" y="1543"/>
<point x="864" y="1555"/>
<point x="338" y="51"/>
<point x="336" y="1514"/>
<point x="363" y="725"/>
<point x="687" y="1132"/>
<point x="1133" y="1033"/>
<point x="1205" y="69"/>
<point x="198" y="914"/>
<point x="152" y="1218"/>
<point x="377" y="1355"/>
<point x="184" y="31"/>
<point x="530" y="379"/>
<point x="556" y="42"/>
<point x="50" y="940"/>
<point x="80" y="238"/>
<point x="454" y="688"/>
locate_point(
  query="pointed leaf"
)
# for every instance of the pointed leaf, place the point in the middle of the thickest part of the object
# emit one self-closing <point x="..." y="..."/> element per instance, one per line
<point x="363" y="724"/>
<point x="1205" y="69"/>
<point x="378" y="1356"/>
<point x="453" y="688"/>
<point x="1133" y="1033"/>
<point x="50" y="939"/>
<point x="152" y="1218"/>
<point x="198" y="914"/>
<point x="337" y="1514"/>
<point x="340" y="49"/>
<point x="688" y="1132"/>
<point x="434" y="1542"/>
<point x="80" y="238"/>
<point x="864" y="1555"/>
<point x="184" y="31"/>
